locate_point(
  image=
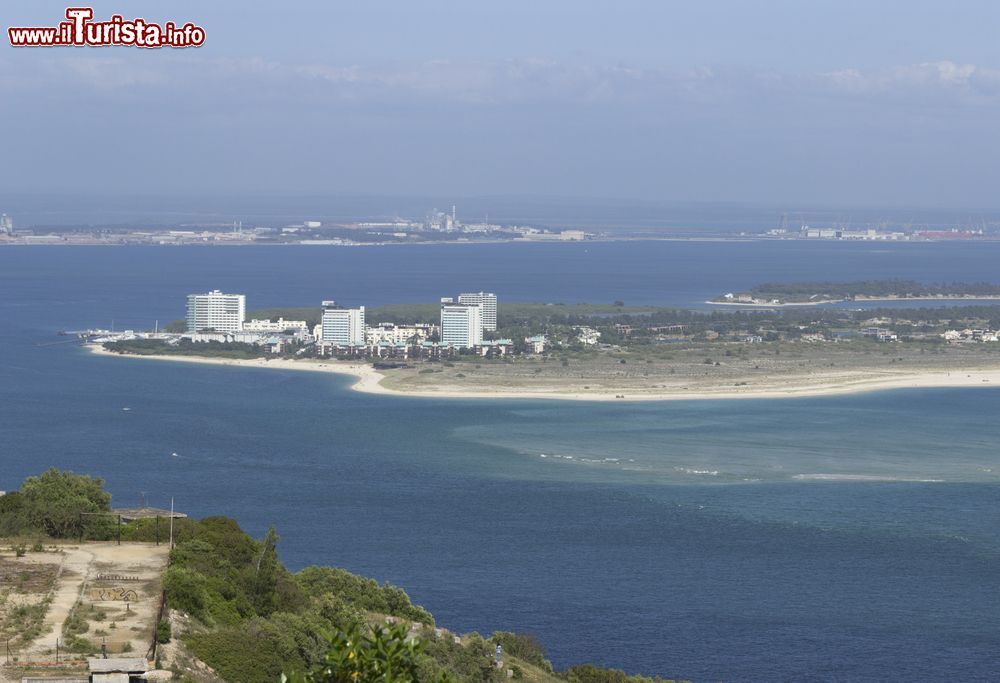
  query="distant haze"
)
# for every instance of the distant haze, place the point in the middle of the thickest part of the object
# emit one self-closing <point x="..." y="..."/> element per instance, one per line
<point x="786" y="103"/>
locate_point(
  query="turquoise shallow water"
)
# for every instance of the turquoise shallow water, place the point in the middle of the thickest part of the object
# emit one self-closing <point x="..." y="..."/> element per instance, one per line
<point x="685" y="539"/>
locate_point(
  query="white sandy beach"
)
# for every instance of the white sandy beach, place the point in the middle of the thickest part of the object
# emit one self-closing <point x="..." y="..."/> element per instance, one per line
<point x="369" y="381"/>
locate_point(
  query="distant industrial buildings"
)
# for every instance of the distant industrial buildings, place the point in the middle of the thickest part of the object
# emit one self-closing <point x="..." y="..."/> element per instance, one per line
<point x="216" y="312"/>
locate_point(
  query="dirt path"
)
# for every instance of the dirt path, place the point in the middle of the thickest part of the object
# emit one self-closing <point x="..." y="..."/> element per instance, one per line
<point x="73" y="571"/>
<point x="120" y="587"/>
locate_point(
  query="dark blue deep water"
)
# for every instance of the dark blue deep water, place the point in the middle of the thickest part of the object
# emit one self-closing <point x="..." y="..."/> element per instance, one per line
<point x="682" y="539"/>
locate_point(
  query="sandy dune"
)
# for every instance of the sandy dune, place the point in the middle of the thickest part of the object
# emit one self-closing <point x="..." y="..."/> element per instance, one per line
<point x="370" y="380"/>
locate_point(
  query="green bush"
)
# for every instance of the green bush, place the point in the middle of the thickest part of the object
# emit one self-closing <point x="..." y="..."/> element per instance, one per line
<point x="588" y="673"/>
<point x="471" y="661"/>
<point x="13" y="515"/>
<point x="54" y="501"/>
<point x="80" y="645"/>
<point x="163" y="632"/>
<point x="368" y="656"/>
<point x="187" y="591"/>
<point x="522" y="646"/>
<point x="365" y="594"/>
<point x="251" y="652"/>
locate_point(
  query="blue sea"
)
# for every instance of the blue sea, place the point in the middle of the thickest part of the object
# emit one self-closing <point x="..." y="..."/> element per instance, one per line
<point x="850" y="538"/>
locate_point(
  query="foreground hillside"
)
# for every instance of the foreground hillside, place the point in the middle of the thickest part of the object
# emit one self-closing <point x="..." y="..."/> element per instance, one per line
<point x="236" y="614"/>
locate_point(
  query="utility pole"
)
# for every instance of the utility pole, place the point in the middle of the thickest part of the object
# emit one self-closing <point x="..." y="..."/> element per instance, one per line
<point x="171" y="523"/>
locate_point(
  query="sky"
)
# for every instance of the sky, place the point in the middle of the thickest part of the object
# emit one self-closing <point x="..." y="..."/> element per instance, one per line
<point x="834" y="103"/>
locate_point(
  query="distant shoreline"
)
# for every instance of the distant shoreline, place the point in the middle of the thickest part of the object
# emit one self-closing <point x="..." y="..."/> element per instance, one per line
<point x="859" y="299"/>
<point x="604" y="238"/>
<point x="369" y="380"/>
<point x="789" y="304"/>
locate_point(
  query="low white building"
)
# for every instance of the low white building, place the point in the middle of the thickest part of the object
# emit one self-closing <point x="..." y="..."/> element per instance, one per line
<point x="970" y="336"/>
<point x="536" y="343"/>
<point x="281" y="325"/>
<point x="390" y="333"/>
<point x="117" y="669"/>
<point x="588" y="335"/>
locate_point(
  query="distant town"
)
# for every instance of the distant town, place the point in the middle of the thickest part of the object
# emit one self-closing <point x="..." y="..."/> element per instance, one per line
<point x="340" y="331"/>
<point x="466" y="326"/>
<point x="438" y="226"/>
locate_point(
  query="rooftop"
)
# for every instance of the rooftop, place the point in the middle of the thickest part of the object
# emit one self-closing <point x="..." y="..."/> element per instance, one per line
<point x="130" y="514"/>
<point x="118" y="665"/>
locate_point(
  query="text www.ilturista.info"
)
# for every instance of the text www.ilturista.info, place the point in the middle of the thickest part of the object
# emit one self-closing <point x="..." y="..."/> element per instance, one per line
<point x="79" y="31"/>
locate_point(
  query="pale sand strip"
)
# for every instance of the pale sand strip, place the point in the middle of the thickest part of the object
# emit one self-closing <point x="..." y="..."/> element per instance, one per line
<point x="782" y="386"/>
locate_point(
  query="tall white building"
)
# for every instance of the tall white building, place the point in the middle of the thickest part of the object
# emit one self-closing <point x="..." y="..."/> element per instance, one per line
<point x="216" y="311"/>
<point x="488" y="301"/>
<point x="6" y="224"/>
<point x="343" y="326"/>
<point x="461" y="325"/>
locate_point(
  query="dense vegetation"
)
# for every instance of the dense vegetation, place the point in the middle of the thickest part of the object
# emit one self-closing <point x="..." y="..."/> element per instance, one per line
<point x="55" y="504"/>
<point x="213" y="349"/>
<point x="255" y="619"/>
<point x="646" y="334"/>
<point x="517" y="321"/>
<point x="252" y="620"/>
<point x="803" y="291"/>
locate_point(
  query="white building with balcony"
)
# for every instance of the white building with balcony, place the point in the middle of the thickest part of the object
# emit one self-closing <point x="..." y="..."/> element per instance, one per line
<point x="342" y="326"/>
<point x="461" y="325"/>
<point x="488" y="301"/>
<point x="216" y="312"/>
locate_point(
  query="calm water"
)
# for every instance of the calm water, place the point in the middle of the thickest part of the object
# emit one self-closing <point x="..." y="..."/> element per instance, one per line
<point x="685" y="539"/>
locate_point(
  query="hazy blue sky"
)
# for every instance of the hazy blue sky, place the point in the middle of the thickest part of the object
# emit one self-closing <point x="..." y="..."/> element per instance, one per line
<point x="849" y="102"/>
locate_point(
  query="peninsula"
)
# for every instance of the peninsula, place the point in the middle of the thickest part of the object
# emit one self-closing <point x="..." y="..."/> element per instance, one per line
<point x="816" y="293"/>
<point x="605" y="382"/>
<point x="599" y="351"/>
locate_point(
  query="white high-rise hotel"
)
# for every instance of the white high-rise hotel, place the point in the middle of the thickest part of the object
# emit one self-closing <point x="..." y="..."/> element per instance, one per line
<point x="216" y="311"/>
<point x="343" y="326"/>
<point x="488" y="301"/>
<point x="461" y="324"/>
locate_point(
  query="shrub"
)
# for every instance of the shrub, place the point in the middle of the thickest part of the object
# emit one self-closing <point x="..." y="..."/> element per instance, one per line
<point x="54" y="501"/>
<point x="247" y="653"/>
<point x="356" y="656"/>
<point x="187" y="591"/>
<point x="523" y="646"/>
<point x="362" y="593"/>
